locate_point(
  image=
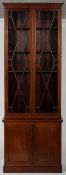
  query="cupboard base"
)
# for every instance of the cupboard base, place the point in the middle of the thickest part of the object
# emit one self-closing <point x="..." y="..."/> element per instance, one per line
<point x="27" y="169"/>
<point x="32" y="147"/>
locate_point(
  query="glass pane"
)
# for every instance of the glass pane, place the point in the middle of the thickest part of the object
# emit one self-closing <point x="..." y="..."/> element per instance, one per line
<point x="46" y="61"/>
<point x="18" y="61"/>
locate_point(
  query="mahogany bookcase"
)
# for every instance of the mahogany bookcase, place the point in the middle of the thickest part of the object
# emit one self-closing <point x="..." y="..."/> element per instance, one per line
<point x="32" y="86"/>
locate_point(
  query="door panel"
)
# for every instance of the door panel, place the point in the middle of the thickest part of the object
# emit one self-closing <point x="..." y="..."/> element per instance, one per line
<point x="19" y="143"/>
<point x="46" y="143"/>
<point x="46" y="61"/>
<point x="19" y="61"/>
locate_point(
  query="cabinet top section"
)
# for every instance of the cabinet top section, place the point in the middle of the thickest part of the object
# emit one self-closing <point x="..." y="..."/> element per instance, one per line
<point x="32" y="5"/>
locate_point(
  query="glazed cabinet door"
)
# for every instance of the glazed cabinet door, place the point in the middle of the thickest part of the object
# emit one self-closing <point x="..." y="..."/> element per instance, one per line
<point x="19" y="61"/>
<point x="33" y="61"/>
<point x="46" y="61"/>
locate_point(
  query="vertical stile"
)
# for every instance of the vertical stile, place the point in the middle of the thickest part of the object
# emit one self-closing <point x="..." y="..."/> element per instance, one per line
<point x="6" y="59"/>
<point x="32" y="59"/>
<point x="59" y="60"/>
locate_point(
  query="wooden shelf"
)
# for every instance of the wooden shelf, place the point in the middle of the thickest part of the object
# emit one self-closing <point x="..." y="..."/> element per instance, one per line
<point x="37" y="52"/>
<point x="53" y="51"/>
<point x="38" y="28"/>
<point x="21" y="52"/>
<point x="11" y="71"/>
<point x="46" y="71"/>
<point x="24" y="28"/>
<point x="46" y="28"/>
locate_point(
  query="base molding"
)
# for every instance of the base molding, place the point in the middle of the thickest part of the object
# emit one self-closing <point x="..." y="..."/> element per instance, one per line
<point x="36" y="169"/>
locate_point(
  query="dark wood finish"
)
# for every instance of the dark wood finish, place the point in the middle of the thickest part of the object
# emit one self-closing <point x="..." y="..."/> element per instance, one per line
<point x="32" y="140"/>
<point x="33" y="169"/>
<point x="33" y="5"/>
<point x="31" y="116"/>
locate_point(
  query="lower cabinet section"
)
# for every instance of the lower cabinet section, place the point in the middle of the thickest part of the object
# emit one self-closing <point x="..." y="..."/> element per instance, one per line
<point x="32" y="146"/>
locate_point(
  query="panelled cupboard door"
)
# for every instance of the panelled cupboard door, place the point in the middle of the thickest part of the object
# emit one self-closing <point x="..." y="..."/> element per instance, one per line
<point x="19" y="143"/>
<point x="46" y="137"/>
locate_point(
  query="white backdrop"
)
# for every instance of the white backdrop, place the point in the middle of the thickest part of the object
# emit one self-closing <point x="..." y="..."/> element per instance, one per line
<point x="63" y="94"/>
